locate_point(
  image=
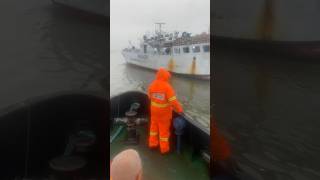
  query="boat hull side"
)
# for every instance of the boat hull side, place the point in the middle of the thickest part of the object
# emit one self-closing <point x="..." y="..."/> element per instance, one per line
<point x="192" y="64"/>
<point x="280" y="21"/>
<point x="98" y="7"/>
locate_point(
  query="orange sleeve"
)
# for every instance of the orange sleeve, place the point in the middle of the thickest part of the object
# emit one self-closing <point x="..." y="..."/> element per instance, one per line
<point x="148" y="93"/>
<point x="172" y="99"/>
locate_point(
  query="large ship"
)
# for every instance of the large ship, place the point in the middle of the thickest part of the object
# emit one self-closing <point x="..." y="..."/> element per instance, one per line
<point x="180" y="53"/>
<point x="267" y="20"/>
<point x="98" y="7"/>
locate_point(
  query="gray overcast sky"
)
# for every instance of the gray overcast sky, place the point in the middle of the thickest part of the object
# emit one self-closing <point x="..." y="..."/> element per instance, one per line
<point x="130" y="19"/>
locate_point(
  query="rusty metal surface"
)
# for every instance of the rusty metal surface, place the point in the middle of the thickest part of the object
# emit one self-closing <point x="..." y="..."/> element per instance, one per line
<point x="267" y="20"/>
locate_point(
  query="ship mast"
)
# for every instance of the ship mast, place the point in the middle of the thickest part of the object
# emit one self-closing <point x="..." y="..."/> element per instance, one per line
<point x="159" y="34"/>
<point x="159" y="23"/>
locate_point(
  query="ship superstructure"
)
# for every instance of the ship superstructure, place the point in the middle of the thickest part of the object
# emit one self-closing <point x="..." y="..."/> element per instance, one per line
<point x="180" y="53"/>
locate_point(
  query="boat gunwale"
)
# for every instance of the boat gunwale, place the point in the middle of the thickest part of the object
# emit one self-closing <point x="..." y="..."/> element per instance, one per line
<point x="185" y="116"/>
<point x="104" y="15"/>
<point x="205" y="77"/>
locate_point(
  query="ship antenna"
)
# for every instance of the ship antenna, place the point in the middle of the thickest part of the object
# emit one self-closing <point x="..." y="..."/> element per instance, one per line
<point x="159" y="34"/>
<point x="159" y="23"/>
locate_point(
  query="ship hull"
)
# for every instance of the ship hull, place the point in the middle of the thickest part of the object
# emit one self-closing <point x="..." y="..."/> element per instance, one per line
<point x="98" y="7"/>
<point x="267" y="20"/>
<point x="191" y="65"/>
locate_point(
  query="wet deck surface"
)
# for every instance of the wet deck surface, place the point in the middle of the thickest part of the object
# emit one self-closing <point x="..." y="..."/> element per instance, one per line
<point x="160" y="167"/>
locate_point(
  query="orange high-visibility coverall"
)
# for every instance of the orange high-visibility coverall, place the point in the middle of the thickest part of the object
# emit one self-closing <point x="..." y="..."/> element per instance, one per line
<point x="163" y="101"/>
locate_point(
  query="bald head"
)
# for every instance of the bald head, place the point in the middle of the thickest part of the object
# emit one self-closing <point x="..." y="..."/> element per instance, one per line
<point x="126" y="166"/>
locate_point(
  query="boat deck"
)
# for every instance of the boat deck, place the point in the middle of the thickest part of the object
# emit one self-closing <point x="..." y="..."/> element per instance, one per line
<point x="158" y="167"/>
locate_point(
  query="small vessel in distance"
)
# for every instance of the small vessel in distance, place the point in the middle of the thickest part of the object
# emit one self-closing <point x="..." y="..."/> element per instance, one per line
<point x="180" y="53"/>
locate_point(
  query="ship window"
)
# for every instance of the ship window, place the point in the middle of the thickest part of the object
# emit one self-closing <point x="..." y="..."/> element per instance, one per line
<point x="177" y="50"/>
<point x="186" y="49"/>
<point x="196" y="49"/>
<point x="145" y="48"/>
<point x="206" y="48"/>
<point x="168" y="50"/>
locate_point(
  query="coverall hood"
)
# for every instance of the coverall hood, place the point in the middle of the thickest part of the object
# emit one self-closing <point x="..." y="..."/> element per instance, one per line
<point x="163" y="75"/>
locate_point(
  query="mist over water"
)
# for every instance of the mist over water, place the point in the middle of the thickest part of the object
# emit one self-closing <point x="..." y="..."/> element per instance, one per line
<point x="129" y="20"/>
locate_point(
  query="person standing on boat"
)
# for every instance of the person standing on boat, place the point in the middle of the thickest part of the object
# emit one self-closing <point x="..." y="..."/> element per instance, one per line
<point x="163" y="102"/>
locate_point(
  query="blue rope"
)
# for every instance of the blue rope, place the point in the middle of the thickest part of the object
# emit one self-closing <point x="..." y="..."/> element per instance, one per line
<point x="113" y="137"/>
